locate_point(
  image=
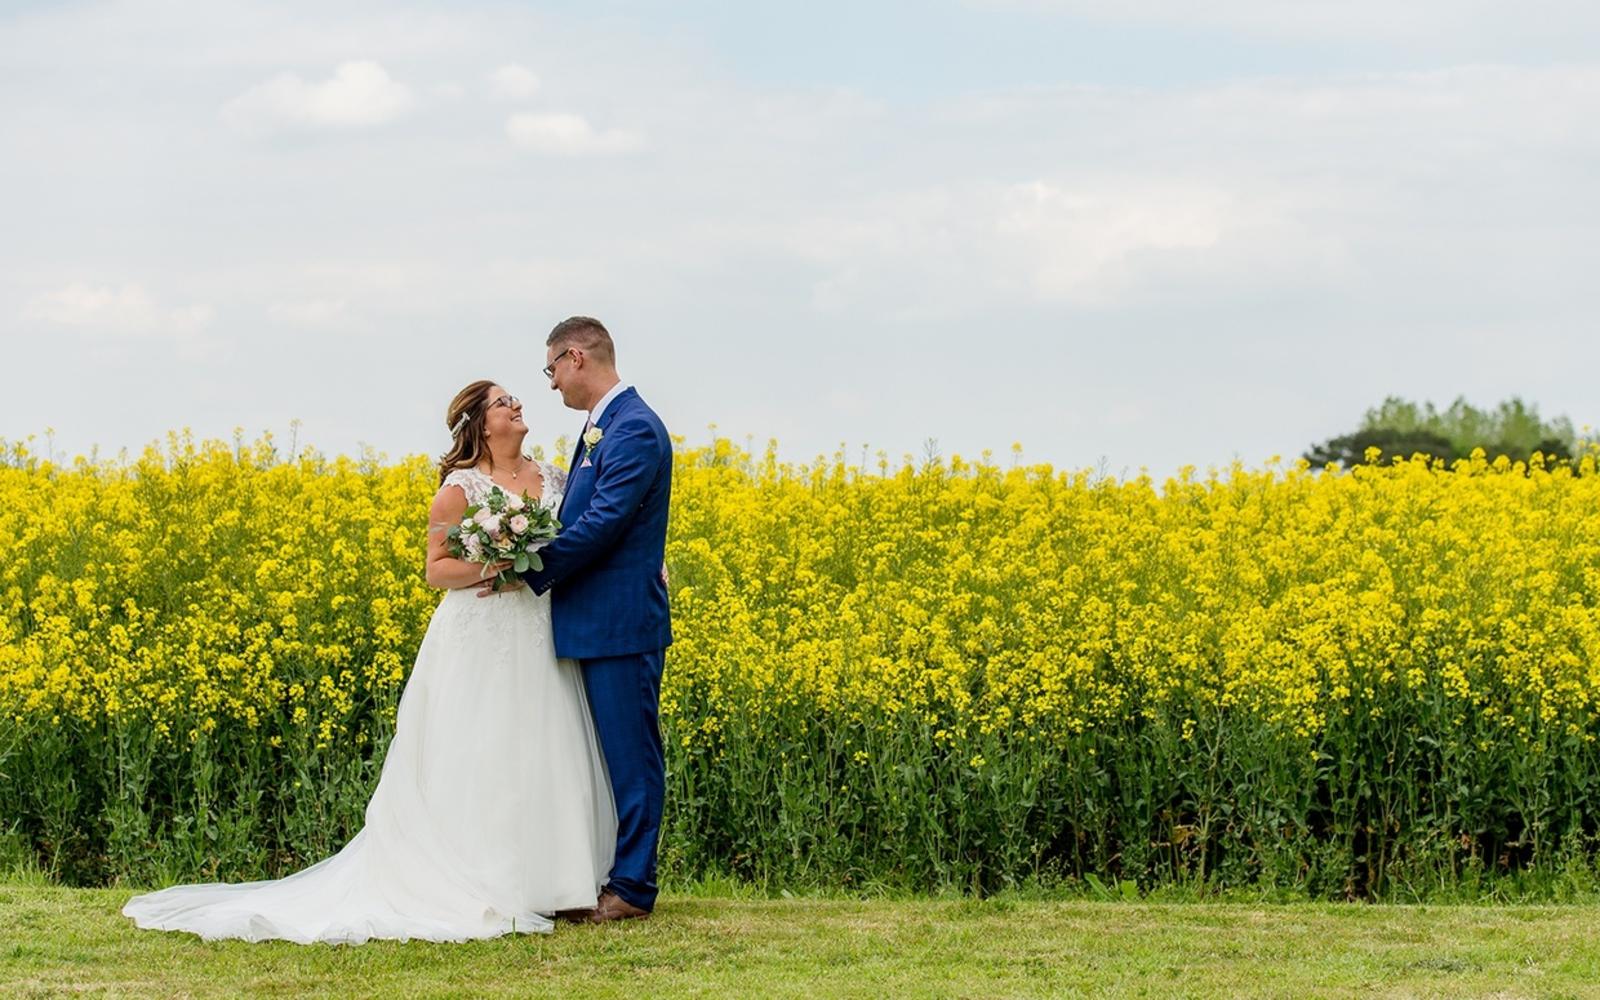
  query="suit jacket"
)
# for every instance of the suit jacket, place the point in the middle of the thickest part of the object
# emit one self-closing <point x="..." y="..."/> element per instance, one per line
<point x="608" y="598"/>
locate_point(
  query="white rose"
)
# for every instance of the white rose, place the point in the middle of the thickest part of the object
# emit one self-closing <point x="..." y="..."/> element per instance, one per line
<point x="483" y="515"/>
<point x="492" y="525"/>
<point x="519" y="524"/>
<point x="514" y="503"/>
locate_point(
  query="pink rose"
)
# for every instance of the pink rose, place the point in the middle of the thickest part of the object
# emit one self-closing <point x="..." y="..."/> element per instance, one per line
<point x="519" y="524"/>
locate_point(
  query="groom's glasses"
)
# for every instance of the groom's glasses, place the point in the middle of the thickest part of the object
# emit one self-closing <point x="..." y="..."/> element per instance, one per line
<point x="550" y="369"/>
<point x="509" y="402"/>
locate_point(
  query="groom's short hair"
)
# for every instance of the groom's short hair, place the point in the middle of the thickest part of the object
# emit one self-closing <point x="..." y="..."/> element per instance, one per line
<point x="587" y="334"/>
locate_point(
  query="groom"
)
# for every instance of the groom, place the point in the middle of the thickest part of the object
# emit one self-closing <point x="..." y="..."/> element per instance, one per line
<point x="609" y="593"/>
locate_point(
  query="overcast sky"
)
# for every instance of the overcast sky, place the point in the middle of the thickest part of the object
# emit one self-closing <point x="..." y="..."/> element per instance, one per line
<point x="1143" y="232"/>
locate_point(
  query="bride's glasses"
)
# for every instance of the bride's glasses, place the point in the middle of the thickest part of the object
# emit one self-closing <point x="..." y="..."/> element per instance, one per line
<point x="509" y="402"/>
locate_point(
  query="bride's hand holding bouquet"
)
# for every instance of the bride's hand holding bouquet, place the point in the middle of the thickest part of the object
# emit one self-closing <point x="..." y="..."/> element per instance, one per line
<point x="503" y="534"/>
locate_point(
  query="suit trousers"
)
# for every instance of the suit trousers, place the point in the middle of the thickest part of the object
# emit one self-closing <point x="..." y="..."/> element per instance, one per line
<point x="625" y="697"/>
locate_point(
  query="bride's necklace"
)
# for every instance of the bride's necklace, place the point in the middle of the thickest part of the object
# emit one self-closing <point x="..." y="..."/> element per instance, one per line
<point x="519" y="470"/>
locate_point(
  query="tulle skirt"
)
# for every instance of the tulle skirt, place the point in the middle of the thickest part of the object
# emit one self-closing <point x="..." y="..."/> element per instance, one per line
<point x="492" y="812"/>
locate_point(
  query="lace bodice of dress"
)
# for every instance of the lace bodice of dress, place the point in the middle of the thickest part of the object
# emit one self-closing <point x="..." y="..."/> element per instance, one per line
<point x="477" y="485"/>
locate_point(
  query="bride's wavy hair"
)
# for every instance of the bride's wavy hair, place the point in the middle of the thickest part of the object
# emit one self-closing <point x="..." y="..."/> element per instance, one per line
<point x="466" y="418"/>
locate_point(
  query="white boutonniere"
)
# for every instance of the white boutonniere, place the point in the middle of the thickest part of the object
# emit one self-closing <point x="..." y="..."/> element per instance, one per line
<point x="592" y="436"/>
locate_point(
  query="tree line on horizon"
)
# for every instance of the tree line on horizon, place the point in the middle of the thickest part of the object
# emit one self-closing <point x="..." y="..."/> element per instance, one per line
<point x="1400" y="428"/>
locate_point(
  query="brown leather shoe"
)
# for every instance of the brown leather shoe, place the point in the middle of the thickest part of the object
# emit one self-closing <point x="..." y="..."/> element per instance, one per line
<point x="614" y="907"/>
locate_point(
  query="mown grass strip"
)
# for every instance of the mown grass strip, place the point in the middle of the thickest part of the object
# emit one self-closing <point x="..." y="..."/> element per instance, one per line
<point x="57" y="941"/>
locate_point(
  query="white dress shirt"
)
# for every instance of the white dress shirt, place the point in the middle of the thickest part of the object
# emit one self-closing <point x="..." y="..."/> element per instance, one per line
<point x="605" y="401"/>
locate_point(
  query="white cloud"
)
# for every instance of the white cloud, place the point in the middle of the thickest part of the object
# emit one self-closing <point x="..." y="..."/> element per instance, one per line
<point x="111" y="314"/>
<point x="84" y="305"/>
<point x="567" y="135"/>
<point x="121" y="309"/>
<point x="1244" y="191"/>
<point x="513" y="83"/>
<point x="1085" y="245"/>
<point x="1359" y="20"/>
<point x="311" y="312"/>
<point x="359" y="94"/>
<point x="1075" y="238"/>
<point x="184" y="321"/>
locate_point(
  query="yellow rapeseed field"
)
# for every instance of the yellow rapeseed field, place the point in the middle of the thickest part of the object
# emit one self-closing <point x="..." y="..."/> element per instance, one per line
<point x="928" y="673"/>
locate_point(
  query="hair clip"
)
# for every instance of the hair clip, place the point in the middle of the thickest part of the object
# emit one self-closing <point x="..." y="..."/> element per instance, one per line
<point x="461" y="422"/>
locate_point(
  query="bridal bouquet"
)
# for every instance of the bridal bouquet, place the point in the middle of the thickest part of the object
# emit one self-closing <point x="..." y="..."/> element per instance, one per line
<point x="506" y="526"/>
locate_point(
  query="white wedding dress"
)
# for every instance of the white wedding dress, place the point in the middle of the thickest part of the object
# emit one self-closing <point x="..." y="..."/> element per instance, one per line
<point x="492" y="812"/>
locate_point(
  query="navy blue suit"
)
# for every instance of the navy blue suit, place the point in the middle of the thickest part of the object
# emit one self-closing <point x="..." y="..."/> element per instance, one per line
<point x="608" y="606"/>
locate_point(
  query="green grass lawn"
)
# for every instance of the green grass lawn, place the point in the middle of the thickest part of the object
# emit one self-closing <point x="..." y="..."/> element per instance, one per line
<point x="57" y="941"/>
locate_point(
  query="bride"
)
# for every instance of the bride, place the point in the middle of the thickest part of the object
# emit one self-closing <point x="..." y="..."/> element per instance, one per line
<point x="493" y="811"/>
